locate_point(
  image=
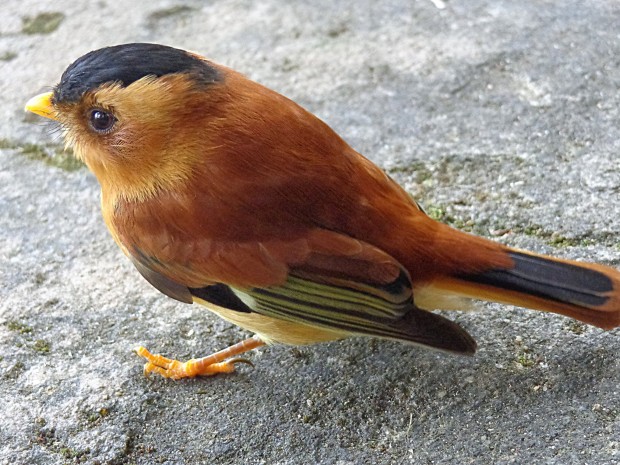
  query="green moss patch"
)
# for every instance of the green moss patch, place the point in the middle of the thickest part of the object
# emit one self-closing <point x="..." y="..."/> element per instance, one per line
<point x="52" y="155"/>
<point x="169" y="12"/>
<point x="43" y="23"/>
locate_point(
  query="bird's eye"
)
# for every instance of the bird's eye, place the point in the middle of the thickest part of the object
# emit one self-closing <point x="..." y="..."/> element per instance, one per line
<point x="101" y="121"/>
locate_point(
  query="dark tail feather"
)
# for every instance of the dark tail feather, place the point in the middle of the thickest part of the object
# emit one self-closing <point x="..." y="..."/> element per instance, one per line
<point x="434" y="331"/>
<point x="586" y="292"/>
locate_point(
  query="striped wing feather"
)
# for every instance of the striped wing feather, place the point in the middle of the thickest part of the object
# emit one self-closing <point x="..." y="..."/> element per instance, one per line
<point x="358" y="289"/>
<point x="323" y="279"/>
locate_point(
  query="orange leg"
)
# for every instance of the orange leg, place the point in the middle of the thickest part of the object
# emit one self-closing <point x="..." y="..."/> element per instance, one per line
<point x="205" y="366"/>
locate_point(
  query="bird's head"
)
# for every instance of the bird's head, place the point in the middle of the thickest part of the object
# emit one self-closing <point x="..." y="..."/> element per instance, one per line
<point x="133" y="113"/>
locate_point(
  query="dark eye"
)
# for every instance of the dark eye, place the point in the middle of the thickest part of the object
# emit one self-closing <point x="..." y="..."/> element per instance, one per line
<point x="101" y="121"/>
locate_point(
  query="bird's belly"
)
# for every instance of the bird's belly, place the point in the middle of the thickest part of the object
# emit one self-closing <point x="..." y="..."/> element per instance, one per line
<point x="273" y="330"/>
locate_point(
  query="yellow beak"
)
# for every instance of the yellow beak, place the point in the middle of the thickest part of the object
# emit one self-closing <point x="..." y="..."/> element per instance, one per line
<point x="42" y="105"/>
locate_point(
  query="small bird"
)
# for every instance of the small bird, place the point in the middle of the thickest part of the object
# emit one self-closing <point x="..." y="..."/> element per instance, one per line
<point x="225" y="193"/>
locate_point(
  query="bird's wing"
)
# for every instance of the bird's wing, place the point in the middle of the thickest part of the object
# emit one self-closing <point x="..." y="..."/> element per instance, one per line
<point x="338" y="282"/>
<point x="323" y="279"/>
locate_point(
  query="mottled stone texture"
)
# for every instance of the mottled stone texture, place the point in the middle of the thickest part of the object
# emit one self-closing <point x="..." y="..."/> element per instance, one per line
<point x="501" y="117"/>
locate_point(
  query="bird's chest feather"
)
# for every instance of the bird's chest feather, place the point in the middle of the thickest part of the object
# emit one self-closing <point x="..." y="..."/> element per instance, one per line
<point x="197" y="239"/>
<point x="161" y="235"/>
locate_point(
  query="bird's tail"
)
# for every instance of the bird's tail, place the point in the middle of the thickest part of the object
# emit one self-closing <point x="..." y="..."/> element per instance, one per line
<point x="586" y="292"/>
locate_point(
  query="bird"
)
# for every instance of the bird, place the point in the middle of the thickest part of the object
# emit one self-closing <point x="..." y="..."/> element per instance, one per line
<point x="225" y="193"/>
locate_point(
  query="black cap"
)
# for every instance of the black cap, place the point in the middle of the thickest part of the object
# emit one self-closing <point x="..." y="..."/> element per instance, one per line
<point x="127" y="63"/>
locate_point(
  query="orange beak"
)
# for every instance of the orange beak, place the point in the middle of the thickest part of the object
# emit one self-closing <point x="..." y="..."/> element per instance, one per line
<point x="42" y="105"/>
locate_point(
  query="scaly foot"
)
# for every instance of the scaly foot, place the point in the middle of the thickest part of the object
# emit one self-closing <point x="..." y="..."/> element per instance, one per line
<point x="205" y="366"/>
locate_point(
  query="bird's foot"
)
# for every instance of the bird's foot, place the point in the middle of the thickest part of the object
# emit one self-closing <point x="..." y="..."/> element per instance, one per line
<point x="205" y="366"/>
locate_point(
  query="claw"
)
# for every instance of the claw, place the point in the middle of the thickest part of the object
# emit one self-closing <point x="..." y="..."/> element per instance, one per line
<point x="206" y="366"/>
<point x="241" y="360"/>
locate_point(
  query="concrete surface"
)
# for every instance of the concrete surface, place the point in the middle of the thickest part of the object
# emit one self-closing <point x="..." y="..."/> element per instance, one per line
<point x="501" y="117"/>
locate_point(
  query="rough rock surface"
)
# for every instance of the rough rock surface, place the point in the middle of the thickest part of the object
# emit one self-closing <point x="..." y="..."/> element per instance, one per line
<point x="501" y="117"/>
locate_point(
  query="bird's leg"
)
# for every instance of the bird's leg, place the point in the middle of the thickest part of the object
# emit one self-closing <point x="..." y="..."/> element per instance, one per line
<point x="205" y="366"/>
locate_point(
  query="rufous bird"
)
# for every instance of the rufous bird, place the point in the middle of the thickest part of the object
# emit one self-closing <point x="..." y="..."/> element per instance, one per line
<point x="225" y="193"/>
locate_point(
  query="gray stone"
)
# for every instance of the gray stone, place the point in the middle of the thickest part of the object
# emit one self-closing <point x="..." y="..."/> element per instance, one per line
<point x="500" y="117"/>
